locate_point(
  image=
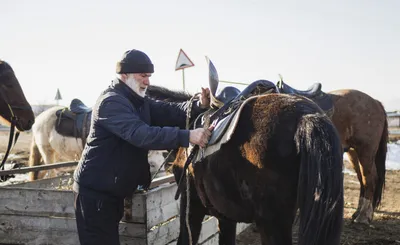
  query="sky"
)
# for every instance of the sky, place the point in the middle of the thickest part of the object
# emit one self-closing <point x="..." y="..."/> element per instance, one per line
<point x="74" y="45"/>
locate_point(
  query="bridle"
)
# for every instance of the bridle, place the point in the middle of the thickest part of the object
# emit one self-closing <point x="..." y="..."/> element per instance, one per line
<point x="13" y="120"/>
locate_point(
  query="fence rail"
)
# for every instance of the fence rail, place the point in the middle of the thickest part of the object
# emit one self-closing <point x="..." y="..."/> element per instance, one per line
<point x="37" y="168"/>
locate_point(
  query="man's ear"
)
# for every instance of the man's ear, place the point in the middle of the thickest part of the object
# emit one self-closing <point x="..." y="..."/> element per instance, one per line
<point x="124" y="77"/>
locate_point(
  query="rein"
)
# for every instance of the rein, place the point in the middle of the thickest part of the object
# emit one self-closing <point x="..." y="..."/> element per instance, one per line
<point x="187" y="127"/>
<point x="12" y="139"/>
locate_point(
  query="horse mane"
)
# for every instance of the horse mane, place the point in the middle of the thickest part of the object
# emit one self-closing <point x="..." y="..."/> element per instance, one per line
<point x="164" y="94"/>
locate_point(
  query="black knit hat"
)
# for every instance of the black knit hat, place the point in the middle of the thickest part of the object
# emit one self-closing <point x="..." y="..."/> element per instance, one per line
<point x="134" y="61"/>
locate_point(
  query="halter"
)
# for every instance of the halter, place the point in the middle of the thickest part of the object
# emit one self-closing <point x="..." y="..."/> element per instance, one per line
<point x="12" y="140"/>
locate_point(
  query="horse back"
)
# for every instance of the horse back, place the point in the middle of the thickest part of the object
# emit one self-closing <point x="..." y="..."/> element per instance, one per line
<point x="357" y="116"/>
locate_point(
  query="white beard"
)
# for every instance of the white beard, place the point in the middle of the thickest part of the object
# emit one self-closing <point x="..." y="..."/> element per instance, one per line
<point x="135" y="86"/>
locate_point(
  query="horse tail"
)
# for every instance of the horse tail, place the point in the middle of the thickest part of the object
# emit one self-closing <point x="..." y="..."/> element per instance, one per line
<point x="380" y="162"/>
<point x="34" y="159"/>
<point x="320" y="188"/>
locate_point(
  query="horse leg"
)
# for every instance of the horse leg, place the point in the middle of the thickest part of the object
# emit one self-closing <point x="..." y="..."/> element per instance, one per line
<point x="34" y="159"/>
<point x="196" y="215"/>
<point x="47" y="155"/>
<point x="227" y="232"/>
<point x="368" y="181"/>
<point x="352" y="154"/>
<point x="276" y="232"/>
<point x="37" y="152"/>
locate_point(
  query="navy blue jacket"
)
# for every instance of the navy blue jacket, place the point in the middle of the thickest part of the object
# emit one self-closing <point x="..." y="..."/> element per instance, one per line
<point x="124" y="128"/>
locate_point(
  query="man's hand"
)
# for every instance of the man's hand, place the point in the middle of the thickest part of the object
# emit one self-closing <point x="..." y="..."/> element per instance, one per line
<point x="205" y="98"/>
<point x="200" y="136"/>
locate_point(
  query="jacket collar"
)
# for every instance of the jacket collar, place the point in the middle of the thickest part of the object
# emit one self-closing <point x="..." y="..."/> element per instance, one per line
<point x="127" y="92"/>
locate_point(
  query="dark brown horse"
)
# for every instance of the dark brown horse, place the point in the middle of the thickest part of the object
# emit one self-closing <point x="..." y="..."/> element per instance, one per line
<point x="283" y="155"/>
<point x="362" y="125"/>
<point x="13" y="101"/>
<point x="15" y="111"/>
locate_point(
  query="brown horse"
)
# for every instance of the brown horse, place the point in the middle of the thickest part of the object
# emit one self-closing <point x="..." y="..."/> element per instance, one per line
<point x="13" y="101"/>
<point x="283" y="154"/>
<point x="362" y="125"/>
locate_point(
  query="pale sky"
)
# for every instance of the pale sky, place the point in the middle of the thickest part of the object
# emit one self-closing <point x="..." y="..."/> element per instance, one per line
<point x="74" y="45"/>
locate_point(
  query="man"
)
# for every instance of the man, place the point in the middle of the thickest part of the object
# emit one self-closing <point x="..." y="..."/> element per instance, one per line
<point x="125" y="126"/>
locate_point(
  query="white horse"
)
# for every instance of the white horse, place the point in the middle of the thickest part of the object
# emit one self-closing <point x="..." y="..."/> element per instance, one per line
<point x="48" y="146"/>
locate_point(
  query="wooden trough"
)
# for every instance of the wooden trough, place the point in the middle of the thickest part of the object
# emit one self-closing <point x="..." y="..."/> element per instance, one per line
<point x="41" y="212"/>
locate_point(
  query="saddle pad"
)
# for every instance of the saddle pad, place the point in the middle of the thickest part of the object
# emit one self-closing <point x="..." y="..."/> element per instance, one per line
<point x="227" y="135"/>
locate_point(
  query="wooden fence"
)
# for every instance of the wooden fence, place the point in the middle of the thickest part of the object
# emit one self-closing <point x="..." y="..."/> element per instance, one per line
<point x="42" y="212"/>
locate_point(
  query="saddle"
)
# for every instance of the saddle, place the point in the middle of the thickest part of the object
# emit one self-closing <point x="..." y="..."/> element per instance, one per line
<point x="78" y="107"/>
<point x="74" y="121"/>
<point x="226" y="112"/>
<point x="314" y="93"/>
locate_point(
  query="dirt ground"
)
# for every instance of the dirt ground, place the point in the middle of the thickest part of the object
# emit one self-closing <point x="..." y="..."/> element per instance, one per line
<point x="385" y="228"/>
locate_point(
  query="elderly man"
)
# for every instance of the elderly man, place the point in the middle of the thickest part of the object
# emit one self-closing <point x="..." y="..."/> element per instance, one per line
<point x="125" y="126"/>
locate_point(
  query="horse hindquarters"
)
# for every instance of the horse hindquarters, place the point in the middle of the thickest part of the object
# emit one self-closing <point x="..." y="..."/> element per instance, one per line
<point x="320" y="189"/>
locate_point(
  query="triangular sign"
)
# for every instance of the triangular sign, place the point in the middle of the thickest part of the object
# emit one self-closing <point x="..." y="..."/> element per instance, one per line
<point x="58" y="95"/>
<point x="183" y="61"/>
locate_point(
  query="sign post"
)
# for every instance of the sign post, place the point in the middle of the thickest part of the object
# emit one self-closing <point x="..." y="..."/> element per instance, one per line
<point x="183" y="62"/>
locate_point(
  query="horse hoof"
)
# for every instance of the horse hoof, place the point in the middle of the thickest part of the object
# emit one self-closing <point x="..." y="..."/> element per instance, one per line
<point x="362" y="220"/>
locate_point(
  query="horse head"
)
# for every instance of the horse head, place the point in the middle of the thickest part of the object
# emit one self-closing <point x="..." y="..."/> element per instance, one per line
<point x="13" y="104"/>
<point x="167" y="95"/>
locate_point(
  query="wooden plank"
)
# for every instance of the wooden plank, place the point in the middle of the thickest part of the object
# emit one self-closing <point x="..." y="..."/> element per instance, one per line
<point x="34" y="202"/>
<point x="38" y="168"/>
<point x="162" y="180"/>
<point x="51" y="230"/>
<point x="130" y="241"/>
<point x="139" y="208"/>
<point x="169" y="232"/>
<point x="208" y="229"/>
<point x="161" y="205"/>
<point x="37" y="230"/>
<point x="59" y="203"/>
<point x="139" y="205"/>
<point x="164" y="234"/>
<point x="65" y="181"/>
<point x="61" y="182"/>
<point x="240" y="227"/>
<point x="212" y="240"/>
